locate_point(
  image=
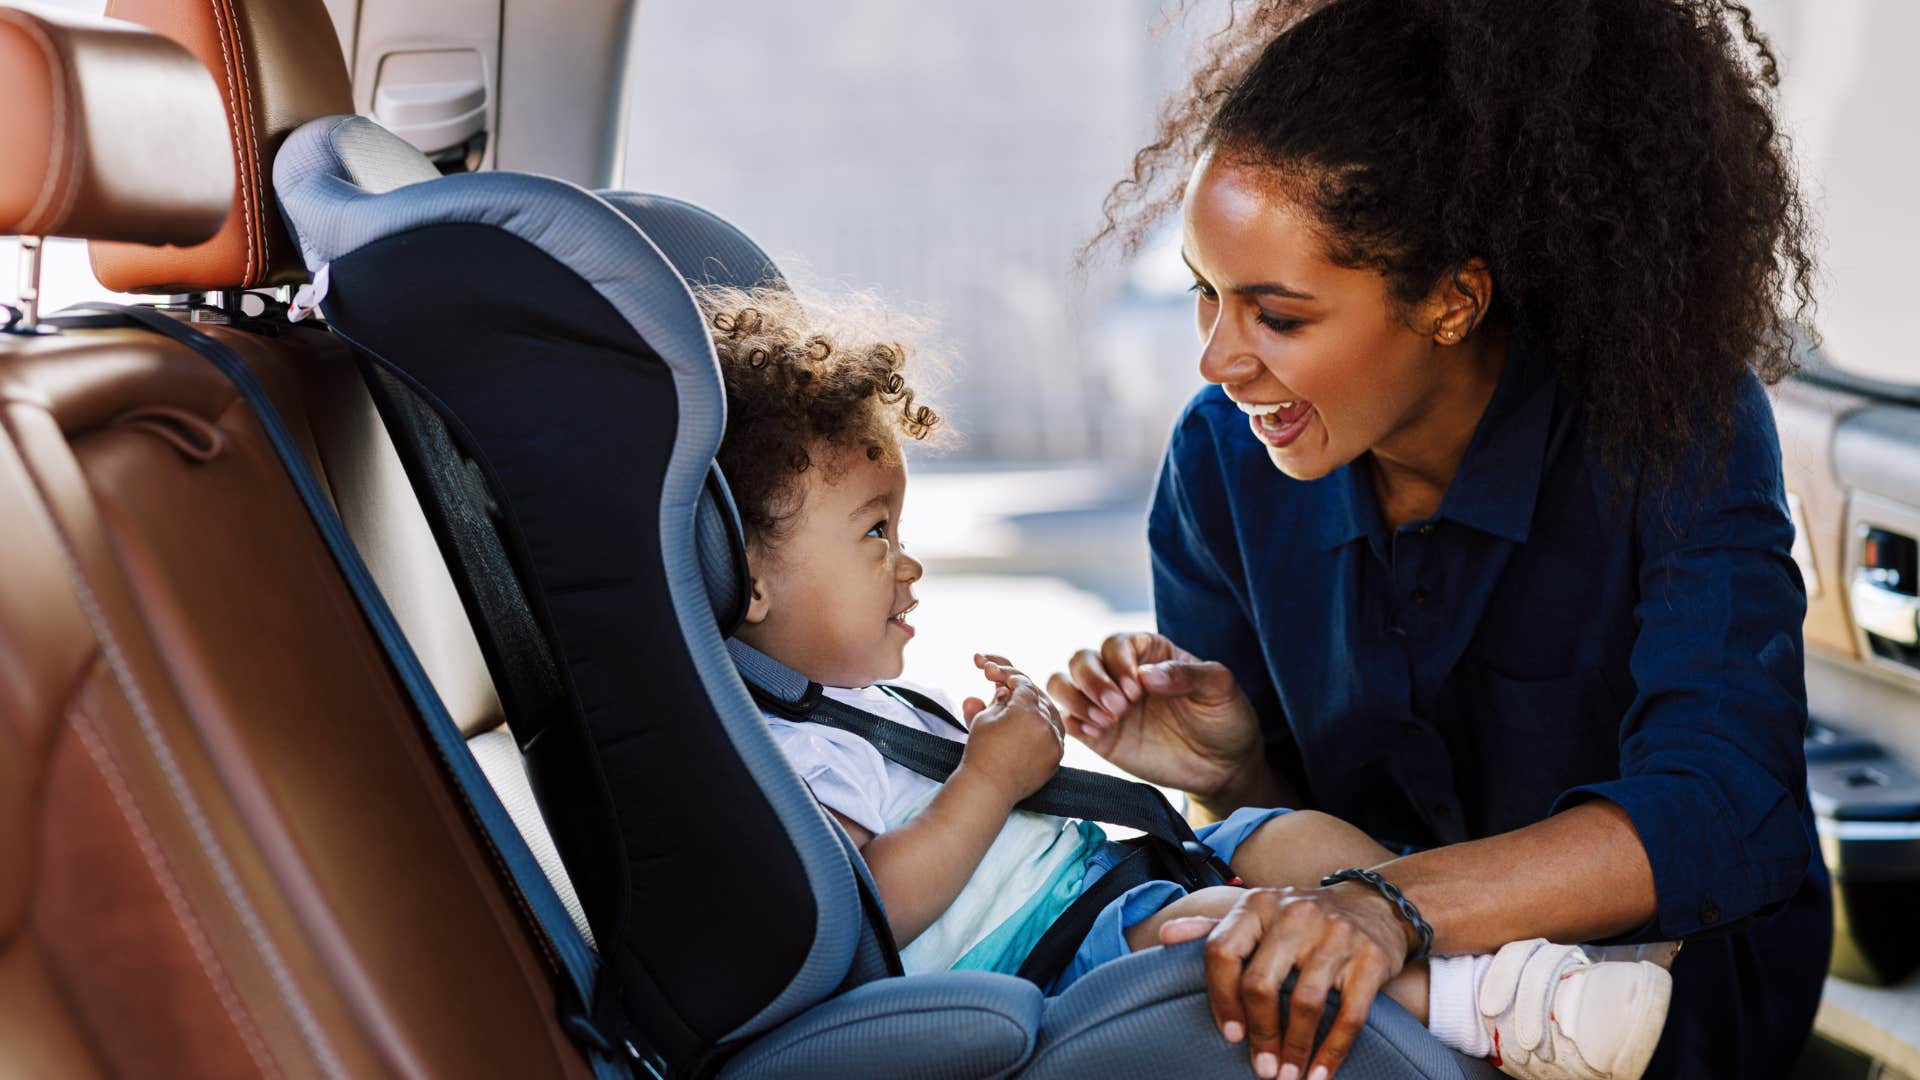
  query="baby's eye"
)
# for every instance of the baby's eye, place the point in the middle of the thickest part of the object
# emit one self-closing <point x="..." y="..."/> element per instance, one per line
<point x="879" y="529"/>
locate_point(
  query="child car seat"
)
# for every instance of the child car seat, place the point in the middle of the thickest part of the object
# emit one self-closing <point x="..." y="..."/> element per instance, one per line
<point x="538" y="347"/>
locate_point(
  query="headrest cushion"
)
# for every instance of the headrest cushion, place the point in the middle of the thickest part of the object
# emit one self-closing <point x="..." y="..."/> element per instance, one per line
<point x="277" y="64"/>
<point x="111" y="132"/>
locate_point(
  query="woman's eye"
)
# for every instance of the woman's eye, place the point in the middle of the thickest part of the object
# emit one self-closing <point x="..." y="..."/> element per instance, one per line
<point x="1205" y="290"/>
<point x="1279" y="324"/>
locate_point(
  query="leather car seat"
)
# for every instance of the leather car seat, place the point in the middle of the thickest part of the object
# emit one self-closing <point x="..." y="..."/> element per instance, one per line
<point x="225" y="848"/>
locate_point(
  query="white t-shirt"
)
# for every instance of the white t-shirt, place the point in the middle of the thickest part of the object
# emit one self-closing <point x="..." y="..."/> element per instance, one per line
<point x="1031" y="873"/>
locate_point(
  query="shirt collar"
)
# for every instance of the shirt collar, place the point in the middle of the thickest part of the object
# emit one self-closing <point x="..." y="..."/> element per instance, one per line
<point x="1498" y="480"/>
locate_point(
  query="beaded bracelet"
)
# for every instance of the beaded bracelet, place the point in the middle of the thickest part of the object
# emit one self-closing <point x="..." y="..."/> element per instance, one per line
<point x="1398" y="899"/>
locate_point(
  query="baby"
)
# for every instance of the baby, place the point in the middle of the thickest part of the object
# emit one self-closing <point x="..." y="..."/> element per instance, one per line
<point x="817" y="405"/>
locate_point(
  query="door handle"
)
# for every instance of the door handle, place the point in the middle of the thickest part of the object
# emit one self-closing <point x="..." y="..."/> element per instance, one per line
<point x="1883" y="612"/>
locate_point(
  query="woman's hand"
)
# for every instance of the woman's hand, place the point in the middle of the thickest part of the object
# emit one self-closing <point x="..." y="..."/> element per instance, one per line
<point x="1163" y="715"/>
<point x="1342" y="938"/>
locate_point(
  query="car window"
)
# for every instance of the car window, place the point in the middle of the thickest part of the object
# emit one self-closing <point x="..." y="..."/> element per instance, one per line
<point x="1848" y="91"/>
<point x="950" y="153"/>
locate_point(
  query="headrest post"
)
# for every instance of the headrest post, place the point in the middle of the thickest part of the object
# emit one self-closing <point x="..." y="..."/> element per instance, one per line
<point x="29" y="320"/>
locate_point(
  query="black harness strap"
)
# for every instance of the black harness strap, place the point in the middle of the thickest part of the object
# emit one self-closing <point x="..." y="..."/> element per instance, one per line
<point x="1167" y="850"/>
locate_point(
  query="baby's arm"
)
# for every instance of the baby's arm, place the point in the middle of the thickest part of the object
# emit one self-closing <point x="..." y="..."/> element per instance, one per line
<point x="921" y="866"/>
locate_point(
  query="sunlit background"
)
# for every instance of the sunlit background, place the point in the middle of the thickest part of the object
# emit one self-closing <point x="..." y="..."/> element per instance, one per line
<point x="952" y="154"/>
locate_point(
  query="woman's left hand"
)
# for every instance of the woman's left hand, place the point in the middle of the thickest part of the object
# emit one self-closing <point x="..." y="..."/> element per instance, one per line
<point x="1340" y="938"/>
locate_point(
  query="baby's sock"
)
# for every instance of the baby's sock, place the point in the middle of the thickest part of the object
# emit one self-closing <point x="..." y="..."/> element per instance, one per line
<point x="1453" y="1005"/>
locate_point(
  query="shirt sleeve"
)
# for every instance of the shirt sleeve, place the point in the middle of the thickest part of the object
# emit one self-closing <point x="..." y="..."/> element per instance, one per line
<point x="1197" y="604"/>
<point x="1713" y="769"/>
<point x="848" y="777"/>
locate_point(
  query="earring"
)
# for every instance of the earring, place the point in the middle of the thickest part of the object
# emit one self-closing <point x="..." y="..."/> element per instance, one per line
<point x="1449" y="336"/>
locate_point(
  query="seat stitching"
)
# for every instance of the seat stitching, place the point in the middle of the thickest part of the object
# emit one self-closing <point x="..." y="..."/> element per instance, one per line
<point x="183" y="914"/>
<point x="130" y="688"/>
<point x="253" y="139"/>
<point x="239" y="151"/>
<point x="42" y="203"/>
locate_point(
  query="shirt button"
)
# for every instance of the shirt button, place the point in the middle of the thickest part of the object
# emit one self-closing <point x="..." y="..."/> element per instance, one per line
<point x="1426" y="529"/>
<point x="1709" y="913"/>
<point x="1418" y="596"/>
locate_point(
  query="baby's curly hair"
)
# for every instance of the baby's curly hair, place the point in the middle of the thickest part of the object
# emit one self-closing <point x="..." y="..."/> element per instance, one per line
<point x="803" y="376"/>
<point x="1615" y="162"/>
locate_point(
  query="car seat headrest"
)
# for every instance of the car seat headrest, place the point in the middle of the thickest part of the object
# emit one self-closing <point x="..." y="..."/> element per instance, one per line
<point x="276" y="64"/>
<point x="111" y="132"/>
<point x="708" y="250"/>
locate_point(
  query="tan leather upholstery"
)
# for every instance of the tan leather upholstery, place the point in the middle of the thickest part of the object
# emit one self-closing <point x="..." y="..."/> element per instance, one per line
<point x="277" y="65"/>
<point x="224" y="848"/>
<point x="82" y="157"/>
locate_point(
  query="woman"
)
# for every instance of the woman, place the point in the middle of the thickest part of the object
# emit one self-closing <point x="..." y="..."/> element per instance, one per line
<point x="1478" y="538"/>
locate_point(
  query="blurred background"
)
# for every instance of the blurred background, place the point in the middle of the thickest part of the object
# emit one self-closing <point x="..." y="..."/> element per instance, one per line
<point x="952" y="155"/>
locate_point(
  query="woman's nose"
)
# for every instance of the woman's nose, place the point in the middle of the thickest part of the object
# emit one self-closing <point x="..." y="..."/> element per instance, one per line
<point x="1224" y="357"/>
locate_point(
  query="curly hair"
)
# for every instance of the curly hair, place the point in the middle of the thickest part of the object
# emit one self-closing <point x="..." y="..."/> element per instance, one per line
<point x="1616" y="163"/>
<point x="800" y="379"/>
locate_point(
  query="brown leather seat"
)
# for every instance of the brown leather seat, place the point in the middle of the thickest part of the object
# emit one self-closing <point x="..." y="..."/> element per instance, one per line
<point x="225" y="848"/>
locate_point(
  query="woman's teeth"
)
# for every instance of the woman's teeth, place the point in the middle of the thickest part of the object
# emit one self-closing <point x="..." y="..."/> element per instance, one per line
<point x="1265" y="410"/>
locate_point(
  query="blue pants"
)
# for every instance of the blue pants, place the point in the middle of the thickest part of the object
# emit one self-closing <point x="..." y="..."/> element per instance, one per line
<point x="1107" y="939"/>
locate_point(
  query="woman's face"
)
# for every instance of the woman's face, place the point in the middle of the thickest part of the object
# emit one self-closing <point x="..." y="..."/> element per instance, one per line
<point x="1318" y="355"/>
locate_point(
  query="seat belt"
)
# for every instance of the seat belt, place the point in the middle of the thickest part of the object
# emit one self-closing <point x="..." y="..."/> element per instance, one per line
<point x="1167" y="850"/>
<point x="613" y="1054"/>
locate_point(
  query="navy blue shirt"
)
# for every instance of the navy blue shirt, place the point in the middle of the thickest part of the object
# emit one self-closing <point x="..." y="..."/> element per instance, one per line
<point x="1547" y="637"/>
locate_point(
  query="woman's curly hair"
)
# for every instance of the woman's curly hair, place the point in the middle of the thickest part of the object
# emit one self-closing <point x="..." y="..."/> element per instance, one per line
<point x="802" y="379"/>
<point x="1616" y="163"/>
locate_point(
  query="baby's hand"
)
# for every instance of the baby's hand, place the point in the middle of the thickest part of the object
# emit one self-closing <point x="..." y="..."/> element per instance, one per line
<point x="1017" y="740"/>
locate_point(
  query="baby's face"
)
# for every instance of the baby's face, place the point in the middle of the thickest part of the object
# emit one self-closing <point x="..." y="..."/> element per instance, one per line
<point x="834" y="591"/>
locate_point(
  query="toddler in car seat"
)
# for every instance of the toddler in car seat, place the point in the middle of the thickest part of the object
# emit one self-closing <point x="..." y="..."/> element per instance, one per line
<point x="817" y="405"/>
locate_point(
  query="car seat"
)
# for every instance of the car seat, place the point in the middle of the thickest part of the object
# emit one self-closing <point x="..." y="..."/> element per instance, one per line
<point x="548" y="336"/>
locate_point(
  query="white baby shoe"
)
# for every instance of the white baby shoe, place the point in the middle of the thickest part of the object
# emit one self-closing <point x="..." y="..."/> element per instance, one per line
<point x="1556" y="1014"/>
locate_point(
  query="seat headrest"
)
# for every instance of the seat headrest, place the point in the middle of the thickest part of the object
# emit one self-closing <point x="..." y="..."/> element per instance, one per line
<point x="110" y="132"/>
<point x="277" y="65"/>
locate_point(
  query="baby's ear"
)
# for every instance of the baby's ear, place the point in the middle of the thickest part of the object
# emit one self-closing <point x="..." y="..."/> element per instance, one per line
<point x="758" y="602"/>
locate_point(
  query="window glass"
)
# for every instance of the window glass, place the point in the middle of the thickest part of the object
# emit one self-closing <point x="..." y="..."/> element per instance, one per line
<point x="1848" y="92"/>
<point x="952" y="155"/>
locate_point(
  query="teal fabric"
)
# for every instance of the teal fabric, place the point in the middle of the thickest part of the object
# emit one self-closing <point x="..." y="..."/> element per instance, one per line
<point x="1008" y="946"/>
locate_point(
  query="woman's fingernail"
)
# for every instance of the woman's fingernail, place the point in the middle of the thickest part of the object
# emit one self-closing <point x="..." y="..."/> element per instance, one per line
<point x="1099" y="716"/>
<point x="1130" y="687"/>
<point x="1114" y="702"/>
<point x="1154" y="677"/>
<point x="1319" y="1073"/>
<point x="1232" y="1031"/>
<point x="1266" y="1065"/>
<point x="1291" y="1072"/>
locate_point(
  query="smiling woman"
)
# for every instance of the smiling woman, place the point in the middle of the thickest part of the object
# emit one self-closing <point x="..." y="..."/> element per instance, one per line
<point x="1484" y="516"/>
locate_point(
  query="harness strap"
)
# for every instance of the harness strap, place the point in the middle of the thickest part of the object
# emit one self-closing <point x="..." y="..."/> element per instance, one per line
<point x="613" y="1054"/>
<point x="1074" y="793"/>
<point x="1167" y="850"/>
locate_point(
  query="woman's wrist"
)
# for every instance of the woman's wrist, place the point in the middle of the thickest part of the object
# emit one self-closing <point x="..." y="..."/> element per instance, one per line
<point x="1252" y="783"/>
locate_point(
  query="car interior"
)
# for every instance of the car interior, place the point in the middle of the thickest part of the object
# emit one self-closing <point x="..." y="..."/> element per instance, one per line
<point x="362" y="648"/>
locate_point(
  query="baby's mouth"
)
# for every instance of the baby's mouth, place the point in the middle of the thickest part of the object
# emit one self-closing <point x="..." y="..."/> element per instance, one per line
<point x="899" y="618"/>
